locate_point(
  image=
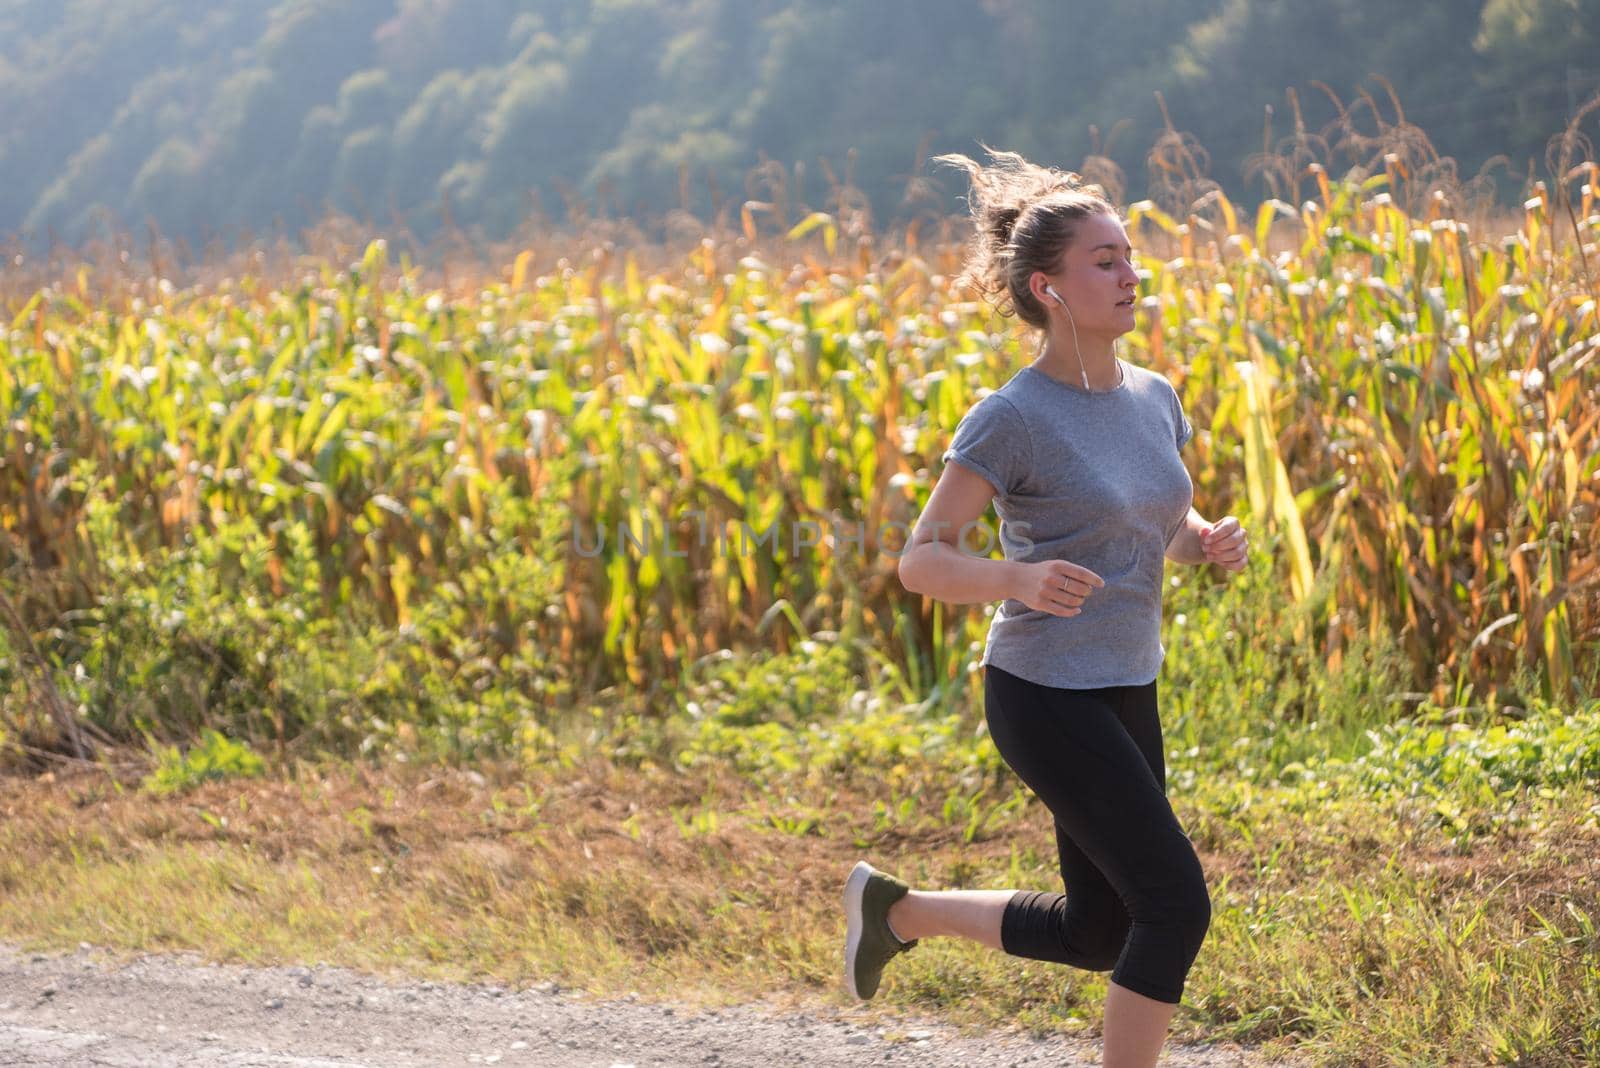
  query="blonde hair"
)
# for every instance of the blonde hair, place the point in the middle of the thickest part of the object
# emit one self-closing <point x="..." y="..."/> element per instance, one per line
<point x="1025" y="216"/>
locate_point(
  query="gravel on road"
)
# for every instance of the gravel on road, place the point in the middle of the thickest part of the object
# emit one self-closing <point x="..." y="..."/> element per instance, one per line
<point x="87" y="1008"/>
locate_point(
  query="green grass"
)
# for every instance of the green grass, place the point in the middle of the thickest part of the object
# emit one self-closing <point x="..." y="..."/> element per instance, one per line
<point x="1430" y="901"/>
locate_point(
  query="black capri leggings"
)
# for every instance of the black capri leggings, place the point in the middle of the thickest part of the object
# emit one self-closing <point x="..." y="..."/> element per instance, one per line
<point x="1136" y="902"/>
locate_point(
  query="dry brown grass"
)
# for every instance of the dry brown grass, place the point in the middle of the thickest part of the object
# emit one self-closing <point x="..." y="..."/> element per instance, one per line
<point x="613" y="879"/>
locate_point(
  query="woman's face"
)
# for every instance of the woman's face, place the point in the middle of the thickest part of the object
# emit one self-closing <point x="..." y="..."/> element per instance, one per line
<point x="1096" y="278"/>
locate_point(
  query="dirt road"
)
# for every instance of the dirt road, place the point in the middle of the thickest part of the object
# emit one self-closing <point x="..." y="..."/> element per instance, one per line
<point x="155" y="1011"/>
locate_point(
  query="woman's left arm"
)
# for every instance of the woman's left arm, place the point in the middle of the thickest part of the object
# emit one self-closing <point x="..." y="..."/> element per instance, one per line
<point x="1200" y="541"/>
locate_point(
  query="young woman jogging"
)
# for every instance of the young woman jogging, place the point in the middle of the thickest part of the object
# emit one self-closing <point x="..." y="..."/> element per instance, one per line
<point x="1079" y="452"/>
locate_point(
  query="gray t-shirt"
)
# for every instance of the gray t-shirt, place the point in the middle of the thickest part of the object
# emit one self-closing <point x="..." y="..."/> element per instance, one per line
<point x="1094" y="478"/>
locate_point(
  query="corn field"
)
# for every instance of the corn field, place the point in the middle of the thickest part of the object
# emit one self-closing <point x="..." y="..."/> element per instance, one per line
<point x="727" y="453"/>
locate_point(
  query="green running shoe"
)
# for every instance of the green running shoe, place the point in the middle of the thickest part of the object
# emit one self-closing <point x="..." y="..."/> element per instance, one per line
<point x="869" y="943"/>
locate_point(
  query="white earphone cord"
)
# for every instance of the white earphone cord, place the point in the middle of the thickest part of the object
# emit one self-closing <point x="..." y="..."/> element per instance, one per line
<point x="1076" y="349"/>
<point x="1072" y="323"/>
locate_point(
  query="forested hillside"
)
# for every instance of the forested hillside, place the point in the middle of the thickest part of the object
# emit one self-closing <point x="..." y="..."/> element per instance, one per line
<point x="209" y="118"/>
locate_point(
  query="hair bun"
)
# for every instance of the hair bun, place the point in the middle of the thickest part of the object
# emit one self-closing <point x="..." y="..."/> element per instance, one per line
<point x="1002" y="221"/>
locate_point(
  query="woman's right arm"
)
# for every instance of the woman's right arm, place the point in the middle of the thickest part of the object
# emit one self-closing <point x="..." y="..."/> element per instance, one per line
<point x="935" y="566"/>
<point x="933" y="563"/>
